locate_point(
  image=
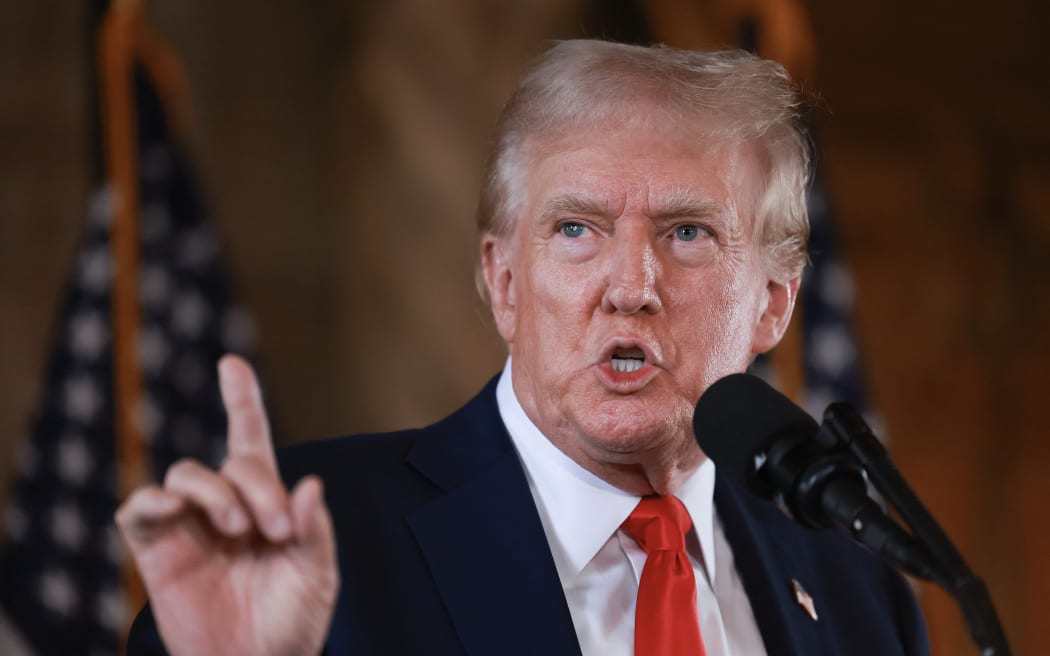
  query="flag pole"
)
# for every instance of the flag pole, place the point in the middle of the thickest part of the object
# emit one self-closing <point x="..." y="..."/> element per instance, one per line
<point x="118" y="35"/>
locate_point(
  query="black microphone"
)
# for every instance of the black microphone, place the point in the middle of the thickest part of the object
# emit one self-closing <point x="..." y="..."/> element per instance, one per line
<point x="763" y="441"/>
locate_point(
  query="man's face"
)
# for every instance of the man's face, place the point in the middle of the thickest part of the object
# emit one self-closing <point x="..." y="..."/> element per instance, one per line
<point x="632" y="280"/>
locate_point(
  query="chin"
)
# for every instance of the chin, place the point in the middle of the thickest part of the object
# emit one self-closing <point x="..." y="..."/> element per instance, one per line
<point x="627" y="426"/>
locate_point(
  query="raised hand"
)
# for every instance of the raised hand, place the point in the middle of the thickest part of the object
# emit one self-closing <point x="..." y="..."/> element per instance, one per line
<point x="232" y="562"/>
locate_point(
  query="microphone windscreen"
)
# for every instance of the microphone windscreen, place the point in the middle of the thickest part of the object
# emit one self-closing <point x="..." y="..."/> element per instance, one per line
<point x="737" y="417"/>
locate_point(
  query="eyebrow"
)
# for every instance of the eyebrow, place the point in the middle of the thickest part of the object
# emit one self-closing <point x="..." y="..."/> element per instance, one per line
<point x="680" y="204"/>
<point x="574" y="205"/>
<point x="683" y="204"/>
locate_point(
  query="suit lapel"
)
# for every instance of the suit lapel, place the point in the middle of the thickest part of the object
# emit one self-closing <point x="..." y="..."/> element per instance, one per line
<point x="768" y="562"/>
<point x="483" y="541"/>
<point x="485" y="546"/>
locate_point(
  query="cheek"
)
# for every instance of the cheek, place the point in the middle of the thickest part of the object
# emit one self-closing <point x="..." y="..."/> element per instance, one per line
<point x="717" y="332"/>
<point x="549" y="307"/>
<point x="741" y="309"/>
<point x="563" y="289"/>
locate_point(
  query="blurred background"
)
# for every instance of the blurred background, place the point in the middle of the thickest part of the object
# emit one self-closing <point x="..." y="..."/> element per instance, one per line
<point x="338" y="147"/>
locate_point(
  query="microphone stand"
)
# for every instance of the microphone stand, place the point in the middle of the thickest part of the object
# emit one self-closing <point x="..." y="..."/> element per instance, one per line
<point x="844" y="426"/>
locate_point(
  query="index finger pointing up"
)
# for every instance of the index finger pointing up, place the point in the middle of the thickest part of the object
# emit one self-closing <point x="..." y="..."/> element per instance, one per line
<point x="248" y="430"/>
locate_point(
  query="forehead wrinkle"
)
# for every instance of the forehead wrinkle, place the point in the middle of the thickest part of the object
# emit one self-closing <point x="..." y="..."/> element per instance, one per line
<point x="684" y="202"/>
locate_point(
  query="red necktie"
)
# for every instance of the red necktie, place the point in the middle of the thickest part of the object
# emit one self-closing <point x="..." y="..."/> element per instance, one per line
<point x="666" y="621"/>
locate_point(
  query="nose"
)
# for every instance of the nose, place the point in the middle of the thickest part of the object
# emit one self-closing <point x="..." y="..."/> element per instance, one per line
<point x="633" y="269"/>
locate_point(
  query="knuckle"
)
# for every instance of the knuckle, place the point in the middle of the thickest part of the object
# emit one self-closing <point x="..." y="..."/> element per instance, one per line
<point x="235" y="467"/>
<point x="123" y="514"/>
<point x="180" y="470"/>
<point x="253" y="479"/>
<point x="131" y="511"/>
<point x="241" y="466"/>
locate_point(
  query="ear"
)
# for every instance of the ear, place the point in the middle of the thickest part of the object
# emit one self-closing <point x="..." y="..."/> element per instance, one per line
<point x="496" y="259"/>
<point x="779" y="302"/>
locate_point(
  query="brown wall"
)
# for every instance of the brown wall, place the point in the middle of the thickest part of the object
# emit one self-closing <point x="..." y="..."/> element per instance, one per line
<point x="938" y="155"/>
<point x="341" y="147"/>
<point x="44" y="181"/>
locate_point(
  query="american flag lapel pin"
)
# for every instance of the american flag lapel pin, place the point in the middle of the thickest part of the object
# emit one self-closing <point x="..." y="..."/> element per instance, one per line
<point x="803" y="599"/>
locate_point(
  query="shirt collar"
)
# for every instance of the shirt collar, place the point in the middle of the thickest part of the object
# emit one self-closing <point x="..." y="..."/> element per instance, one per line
<point x="580" y="511"/>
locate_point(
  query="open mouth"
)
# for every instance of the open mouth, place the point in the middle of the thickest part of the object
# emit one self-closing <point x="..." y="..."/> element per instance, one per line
<point x="627" y="360"/>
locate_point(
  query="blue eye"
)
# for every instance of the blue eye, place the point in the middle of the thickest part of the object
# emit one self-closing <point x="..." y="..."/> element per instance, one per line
<point x="687" y="232"/>
<point x="572" y="229"/>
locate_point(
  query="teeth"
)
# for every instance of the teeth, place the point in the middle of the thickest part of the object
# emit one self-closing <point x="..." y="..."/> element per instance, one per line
<point x="626" y="365"/>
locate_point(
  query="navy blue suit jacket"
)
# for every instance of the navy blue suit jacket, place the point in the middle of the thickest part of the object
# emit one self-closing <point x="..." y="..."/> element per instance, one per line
<point x="441" y="551"/>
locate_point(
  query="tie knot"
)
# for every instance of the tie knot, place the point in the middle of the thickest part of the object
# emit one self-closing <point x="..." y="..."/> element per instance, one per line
<point x="659" y="523"/>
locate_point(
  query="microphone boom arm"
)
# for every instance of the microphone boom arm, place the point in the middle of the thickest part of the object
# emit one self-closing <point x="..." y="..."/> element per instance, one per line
<point x="846" y="427"/>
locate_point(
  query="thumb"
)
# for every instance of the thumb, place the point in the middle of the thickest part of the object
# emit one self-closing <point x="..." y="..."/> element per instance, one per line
<point x="314" y="536"/>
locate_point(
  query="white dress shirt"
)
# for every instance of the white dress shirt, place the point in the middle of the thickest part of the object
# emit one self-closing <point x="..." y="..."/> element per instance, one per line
<point x="599" y="565"/>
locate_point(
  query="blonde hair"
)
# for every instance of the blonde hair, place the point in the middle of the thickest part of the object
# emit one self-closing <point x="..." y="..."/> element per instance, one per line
<point x="729" y="94"/>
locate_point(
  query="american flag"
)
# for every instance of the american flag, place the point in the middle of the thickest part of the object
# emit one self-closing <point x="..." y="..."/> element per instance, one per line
<point x="832" y="359"/>
<point x="60" y="571"/>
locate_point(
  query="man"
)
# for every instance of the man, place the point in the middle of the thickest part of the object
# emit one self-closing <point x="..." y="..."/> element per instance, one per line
<point x="642" y="235"/>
